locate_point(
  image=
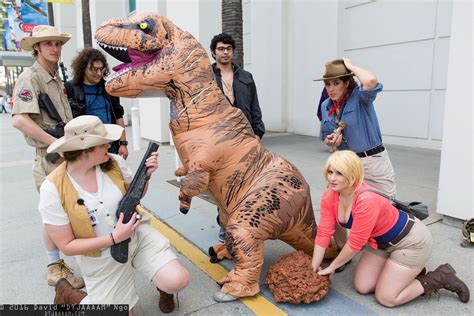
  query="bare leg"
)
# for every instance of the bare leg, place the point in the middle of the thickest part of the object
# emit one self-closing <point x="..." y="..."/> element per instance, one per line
<point x="171" y="278"/>
<point x="367" y="272"/>
<point x="397" y="285"/>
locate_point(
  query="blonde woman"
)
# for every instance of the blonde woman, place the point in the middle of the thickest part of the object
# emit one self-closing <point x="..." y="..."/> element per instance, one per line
<point x="395" y="245"/>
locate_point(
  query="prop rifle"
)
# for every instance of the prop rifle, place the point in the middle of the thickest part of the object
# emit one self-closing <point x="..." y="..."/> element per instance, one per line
<point x="47" y="105"/>
<point x="77" y="108"/>
<point x="129" y="203"/>
<point x="63" y="71"/>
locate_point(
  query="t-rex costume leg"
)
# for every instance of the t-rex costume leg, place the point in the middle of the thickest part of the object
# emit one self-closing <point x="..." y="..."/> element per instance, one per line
<point x="260" y="194"/>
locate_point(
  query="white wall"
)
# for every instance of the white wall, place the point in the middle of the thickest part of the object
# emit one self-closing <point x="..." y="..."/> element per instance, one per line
<point x="455" y="191"/>
<point x="406" y="45"/>
<point x="311" y="41"/>
<point x="266" y="61"/>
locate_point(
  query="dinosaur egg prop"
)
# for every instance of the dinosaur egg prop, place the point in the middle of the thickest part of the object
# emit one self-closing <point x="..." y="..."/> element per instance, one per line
<point x="291" y="279"/>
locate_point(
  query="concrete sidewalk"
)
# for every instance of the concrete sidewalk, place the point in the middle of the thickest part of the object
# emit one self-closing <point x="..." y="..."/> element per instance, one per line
<point x="23" y="259"/>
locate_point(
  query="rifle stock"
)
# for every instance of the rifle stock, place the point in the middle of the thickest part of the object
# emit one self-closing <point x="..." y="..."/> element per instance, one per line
<point x="129" y="203"/>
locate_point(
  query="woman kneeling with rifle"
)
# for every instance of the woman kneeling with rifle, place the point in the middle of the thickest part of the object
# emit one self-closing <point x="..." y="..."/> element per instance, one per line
<point x="78" y="203"/>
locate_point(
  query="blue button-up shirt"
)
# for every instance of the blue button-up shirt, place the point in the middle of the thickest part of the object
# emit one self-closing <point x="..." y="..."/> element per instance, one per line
<point x="362" y="131"/>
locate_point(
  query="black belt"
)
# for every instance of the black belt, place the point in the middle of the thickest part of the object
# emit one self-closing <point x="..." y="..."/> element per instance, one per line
<point x="401" y="235"/>
<point x="371" y="152"/>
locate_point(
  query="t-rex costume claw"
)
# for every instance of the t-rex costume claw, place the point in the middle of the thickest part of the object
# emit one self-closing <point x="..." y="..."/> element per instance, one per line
<point x="260" y="194"/>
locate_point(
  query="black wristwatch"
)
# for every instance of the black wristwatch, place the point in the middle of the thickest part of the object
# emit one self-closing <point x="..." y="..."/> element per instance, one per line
<point x="123" y="142"/>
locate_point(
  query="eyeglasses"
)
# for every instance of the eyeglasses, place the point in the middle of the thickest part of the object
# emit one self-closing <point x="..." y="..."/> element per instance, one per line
<point x="222" y="49"/>
<point x="94" y="70"/>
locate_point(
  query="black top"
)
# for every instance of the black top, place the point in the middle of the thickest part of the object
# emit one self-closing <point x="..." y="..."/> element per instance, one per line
<point x="245" y="94"/>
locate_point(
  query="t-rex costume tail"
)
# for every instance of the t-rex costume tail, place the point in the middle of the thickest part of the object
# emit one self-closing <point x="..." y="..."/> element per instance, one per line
<point x="260" y="194"/>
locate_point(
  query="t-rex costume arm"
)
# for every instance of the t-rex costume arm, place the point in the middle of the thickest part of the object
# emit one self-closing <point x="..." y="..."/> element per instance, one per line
<point x="260" y="194"/>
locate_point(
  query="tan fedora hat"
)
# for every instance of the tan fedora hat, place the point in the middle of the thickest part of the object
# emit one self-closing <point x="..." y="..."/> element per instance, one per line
<point x="335" y="69"/>
<point x="84" y="132"/>
<point x="42" y="33"/>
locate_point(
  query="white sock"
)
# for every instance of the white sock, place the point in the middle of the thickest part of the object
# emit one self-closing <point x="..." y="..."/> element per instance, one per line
<point x="53" y="256"/>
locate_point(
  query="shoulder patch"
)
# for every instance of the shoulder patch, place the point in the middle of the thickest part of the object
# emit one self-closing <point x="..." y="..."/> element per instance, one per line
<point x="25" y="95"/>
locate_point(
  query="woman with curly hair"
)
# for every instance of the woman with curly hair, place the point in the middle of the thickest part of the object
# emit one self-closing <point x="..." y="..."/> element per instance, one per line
<point x="87" y="95"/>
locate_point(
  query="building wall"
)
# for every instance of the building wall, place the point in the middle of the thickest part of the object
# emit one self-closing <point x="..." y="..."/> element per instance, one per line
<point x="406" y="45"/>
<point x="455" y="197"/>
<point x="286" y="43"/>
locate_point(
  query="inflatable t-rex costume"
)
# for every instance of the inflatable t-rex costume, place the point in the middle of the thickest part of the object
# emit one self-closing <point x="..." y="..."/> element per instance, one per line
<point x="260" y="194"/>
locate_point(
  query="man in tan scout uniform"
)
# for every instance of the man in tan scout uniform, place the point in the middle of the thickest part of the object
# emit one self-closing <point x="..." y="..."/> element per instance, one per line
<point x="45" y="43"/>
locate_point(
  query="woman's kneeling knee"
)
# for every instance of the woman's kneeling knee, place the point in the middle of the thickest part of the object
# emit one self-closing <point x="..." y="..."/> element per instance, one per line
<point x="364" y="290"/>
<point x="385" y="300"/>
<point x="172" y="277"/>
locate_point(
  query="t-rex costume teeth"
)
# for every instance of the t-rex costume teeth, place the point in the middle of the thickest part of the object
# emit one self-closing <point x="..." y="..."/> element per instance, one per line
<point x="260" y="194"/>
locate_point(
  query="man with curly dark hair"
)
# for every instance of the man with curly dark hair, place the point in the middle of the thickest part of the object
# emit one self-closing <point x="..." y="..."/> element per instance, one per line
<point x="87" y="91"/>
<point x="236" y="84"/>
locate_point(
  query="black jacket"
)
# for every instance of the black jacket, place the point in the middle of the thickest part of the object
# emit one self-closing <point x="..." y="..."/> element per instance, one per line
<point x="76" y="92"/>
<point x="245" y="94"/>
<point x="76" y="97"/>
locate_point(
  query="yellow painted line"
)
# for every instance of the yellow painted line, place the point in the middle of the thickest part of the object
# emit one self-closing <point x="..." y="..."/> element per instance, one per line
<point x="259" y="304"/>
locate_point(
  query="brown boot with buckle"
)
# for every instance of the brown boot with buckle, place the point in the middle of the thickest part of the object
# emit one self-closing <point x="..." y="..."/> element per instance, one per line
<point x="166" y="303"/>
<point x="66" y="294"/>
<point x="444" y="277"/>
<point x="60" y="270"/>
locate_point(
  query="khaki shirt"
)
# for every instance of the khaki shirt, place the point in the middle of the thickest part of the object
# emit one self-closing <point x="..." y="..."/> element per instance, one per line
<point x="30" y="84"/>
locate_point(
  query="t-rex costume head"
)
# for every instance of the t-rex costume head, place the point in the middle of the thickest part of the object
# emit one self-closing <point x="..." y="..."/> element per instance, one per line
<point x="260" y="194"/>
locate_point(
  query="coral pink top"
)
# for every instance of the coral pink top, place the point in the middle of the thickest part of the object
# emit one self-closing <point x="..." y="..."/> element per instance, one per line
<point x="372" y="216"/>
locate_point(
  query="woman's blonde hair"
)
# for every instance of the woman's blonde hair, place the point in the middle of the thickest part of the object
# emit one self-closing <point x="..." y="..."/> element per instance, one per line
<point x="348" y="164"/>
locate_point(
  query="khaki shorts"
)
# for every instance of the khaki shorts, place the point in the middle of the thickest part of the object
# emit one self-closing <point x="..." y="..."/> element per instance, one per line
<point x="413" y="251"/>
<point x="378" y="173"/>
<point x="110" y="282"/>
<point x="42" y="167"/>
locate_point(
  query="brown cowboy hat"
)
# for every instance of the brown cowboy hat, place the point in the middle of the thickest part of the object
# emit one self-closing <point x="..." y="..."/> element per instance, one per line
<point x="335" y="69"/>
<point x="42" y="33"/>
<point x="85" y="131"/>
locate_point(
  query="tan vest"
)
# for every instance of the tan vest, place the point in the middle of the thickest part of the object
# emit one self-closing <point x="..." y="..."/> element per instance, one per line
<point x="78" y="214"/>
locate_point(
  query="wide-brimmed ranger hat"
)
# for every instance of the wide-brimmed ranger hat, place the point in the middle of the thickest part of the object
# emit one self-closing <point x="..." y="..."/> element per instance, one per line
<point x="335" y="69"/>
<point x="84" y="132"/>
<point x="42" y="33"/>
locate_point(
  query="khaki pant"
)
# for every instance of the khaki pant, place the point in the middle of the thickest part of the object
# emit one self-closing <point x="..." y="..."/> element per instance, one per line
<point x="42" y="167"/>
<point x="413" y="251"/>
<point x="110" y="282"/>
<point x="378" y="173"/>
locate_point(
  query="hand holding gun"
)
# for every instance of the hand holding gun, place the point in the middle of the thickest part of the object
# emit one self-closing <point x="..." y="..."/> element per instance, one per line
<point x="334" y="139"/>
<point x="130" y="201"/>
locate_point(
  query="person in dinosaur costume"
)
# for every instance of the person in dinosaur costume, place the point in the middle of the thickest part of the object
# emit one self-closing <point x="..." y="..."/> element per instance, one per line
<point x="260" y="194"/>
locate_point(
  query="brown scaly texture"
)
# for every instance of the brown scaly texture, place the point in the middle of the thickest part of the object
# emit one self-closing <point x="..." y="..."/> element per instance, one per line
<point x="260" y="194"/>
<point x="291" y="279"/>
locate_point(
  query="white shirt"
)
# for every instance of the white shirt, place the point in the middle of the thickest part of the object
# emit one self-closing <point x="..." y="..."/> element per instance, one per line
<point x="102" y="204"/>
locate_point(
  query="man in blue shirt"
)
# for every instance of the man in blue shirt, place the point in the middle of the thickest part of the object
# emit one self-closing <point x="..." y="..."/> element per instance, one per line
<point x="87" y="90"/>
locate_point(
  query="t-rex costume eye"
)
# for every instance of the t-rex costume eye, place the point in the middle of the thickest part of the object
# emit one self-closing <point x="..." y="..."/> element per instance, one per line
<point x="260" y="194"/>
<point x="143" y="26"/>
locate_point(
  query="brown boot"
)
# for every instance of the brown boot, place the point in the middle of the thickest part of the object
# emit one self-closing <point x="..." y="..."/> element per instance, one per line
<point x="60" y="270"/>
<point x="422" y="272"/>
<point x="444" y="277"/>
<point x="66" y="294"/>
<point x="166" y="303"/>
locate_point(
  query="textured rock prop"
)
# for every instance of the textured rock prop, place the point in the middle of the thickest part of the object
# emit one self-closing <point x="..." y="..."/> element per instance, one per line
<point x="291" y="279"/>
